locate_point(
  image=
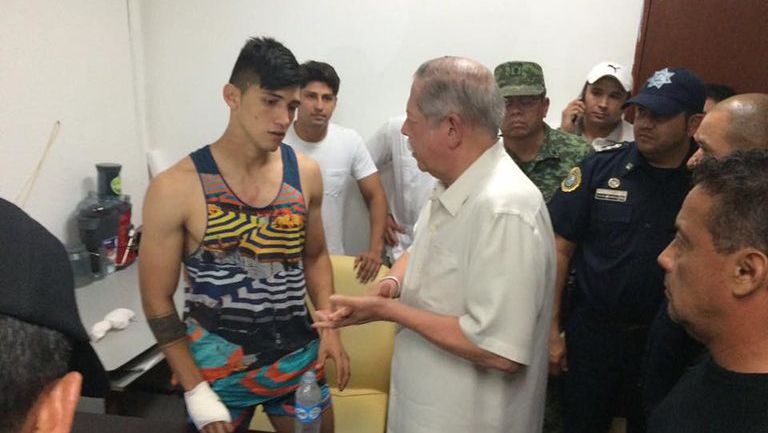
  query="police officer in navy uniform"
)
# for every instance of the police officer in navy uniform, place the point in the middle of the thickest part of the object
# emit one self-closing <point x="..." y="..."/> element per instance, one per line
<point x="612" y="217"/>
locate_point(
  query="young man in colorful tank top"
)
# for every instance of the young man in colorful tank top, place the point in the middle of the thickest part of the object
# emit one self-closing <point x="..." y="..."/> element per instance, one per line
<point x="243" y="216"/>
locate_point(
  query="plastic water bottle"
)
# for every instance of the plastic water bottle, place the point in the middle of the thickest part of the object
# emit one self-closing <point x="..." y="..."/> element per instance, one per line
<point x="308" y="398"/>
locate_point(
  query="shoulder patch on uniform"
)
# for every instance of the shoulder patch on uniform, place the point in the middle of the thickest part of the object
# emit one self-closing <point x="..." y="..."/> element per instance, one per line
<point x="611" y="146"/>
<point x="572" y="181"/>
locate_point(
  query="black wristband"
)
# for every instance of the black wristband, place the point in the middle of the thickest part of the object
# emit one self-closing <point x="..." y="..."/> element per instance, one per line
<point x="167" y="329"/>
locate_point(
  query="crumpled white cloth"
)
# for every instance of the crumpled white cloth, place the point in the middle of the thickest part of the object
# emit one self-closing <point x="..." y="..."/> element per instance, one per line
<point x="119" y="318"/>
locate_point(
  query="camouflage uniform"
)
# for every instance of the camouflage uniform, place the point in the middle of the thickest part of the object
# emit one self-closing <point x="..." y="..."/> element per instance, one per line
<point x="559" y="153"/>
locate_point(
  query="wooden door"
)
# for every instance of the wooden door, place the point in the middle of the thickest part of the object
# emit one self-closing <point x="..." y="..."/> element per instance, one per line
<point x="722" y="41"/>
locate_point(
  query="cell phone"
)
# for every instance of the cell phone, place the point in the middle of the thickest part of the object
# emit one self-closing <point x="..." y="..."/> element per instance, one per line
<point x="576" y="119"/>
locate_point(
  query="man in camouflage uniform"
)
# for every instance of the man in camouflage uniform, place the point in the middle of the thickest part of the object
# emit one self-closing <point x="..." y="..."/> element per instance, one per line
<point x="543" y="153"/>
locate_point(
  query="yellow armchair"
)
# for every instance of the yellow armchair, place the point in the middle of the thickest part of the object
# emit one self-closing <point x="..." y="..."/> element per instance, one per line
<point x="362" y="406"/>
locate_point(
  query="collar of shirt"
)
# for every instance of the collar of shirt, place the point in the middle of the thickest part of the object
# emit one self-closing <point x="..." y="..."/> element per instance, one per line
<point x="635" y="159"/>
<point x="621" y="133"/>
<point x="618" y="135"/>
<point x="454" y="197"/>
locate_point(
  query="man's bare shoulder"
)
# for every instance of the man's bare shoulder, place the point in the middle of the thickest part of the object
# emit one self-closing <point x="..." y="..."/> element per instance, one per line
<point x="311" y="178"/>
<point x="175" y="183"/>
<point x="307" y="165"/>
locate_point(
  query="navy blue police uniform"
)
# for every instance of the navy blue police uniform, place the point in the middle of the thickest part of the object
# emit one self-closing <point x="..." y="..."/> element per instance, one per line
<point x="620" y="212"/>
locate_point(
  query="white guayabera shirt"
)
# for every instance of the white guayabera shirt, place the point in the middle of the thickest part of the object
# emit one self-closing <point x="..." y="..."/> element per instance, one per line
<point x="483" y="252"/>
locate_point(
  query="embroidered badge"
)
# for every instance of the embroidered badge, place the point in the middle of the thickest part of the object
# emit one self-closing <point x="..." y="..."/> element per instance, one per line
<point x="660" y="78"/>
<point x="572" y="181"/>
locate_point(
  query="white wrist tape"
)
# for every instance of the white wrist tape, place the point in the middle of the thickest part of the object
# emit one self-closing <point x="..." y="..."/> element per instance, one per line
<point x="204" y="406"/>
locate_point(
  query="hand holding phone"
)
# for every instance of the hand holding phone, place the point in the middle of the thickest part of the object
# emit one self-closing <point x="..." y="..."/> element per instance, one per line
<point x="571" y="116"/>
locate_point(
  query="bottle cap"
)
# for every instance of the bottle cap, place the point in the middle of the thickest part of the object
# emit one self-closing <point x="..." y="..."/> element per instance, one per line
<point x="309" y="376"/>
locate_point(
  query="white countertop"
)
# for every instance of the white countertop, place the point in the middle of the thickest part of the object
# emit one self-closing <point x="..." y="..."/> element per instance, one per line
<point x="118" y="290"/>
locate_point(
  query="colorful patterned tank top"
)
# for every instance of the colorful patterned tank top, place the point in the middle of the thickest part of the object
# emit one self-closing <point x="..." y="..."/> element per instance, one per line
<point x="245" y="282"/>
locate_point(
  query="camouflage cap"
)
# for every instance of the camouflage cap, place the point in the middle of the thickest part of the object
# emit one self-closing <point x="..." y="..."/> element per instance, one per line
<point x="520" y="79"/>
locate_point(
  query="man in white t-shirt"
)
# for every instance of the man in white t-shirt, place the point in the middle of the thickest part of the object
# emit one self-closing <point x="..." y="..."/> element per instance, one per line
<point x="407" y="187"/>
<point x="477" y="283"/>
<point x="596" y="114"/>
<point x="342" y="156"/>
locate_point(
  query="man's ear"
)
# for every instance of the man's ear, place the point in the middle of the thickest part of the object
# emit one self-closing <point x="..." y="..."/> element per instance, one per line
<point x="456" y="130"/>
<point x="750" y="272"/>
<point x="545" y="106"/>
<point x="232" y="96"/>
<point x="55" y="409"/>
<point x="693" y="123"/>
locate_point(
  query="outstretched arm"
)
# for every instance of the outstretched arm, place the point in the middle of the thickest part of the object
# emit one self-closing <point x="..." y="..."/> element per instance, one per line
<point x="481" y="334"/>
<point x="442" y="330"/>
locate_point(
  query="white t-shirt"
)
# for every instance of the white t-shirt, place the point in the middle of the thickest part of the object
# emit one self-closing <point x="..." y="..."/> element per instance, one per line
<point x="483" y="252"/>
<point x="410" y="187"/>
<point x="342" y="157"/>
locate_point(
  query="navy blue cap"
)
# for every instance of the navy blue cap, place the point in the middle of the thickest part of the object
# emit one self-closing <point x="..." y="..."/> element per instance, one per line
<point x="671" y="91"/>
<point x="37" y="287"/>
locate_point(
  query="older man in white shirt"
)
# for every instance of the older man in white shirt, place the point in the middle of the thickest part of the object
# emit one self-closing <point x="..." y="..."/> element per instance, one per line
<point x="477" y="284"/>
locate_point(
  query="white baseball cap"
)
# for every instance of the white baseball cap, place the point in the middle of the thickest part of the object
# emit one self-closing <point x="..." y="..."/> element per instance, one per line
<point x="611" y="69"/>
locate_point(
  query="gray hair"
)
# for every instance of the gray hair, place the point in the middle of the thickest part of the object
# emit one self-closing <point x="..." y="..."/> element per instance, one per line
<point x="455" y="85"/>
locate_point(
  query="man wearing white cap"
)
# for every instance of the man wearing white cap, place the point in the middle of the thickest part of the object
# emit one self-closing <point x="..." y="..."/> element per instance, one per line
<point x="597" y="114"/>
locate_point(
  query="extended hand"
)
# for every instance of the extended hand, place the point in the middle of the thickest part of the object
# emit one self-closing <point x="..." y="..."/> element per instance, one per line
<point x="330" y="345"/>
<point x="367" y="265"/>
<point x="351" y="310"/>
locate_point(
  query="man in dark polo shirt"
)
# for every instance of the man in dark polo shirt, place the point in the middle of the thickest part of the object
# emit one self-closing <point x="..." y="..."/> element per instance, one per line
<point x="737" y="123"/>
<point x="612" y="216"/>
<point x="716" y="278"/>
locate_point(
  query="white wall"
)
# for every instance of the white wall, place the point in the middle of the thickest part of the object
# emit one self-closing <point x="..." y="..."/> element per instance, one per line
<point x="72" y="61"/>
<point x="190" y="47"/>
<point x="66" y="61"/>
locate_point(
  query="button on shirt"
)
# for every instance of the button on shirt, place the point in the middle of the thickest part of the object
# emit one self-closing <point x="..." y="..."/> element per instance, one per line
<point x="483" y="252"/>
<point x="620" y="211"/>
